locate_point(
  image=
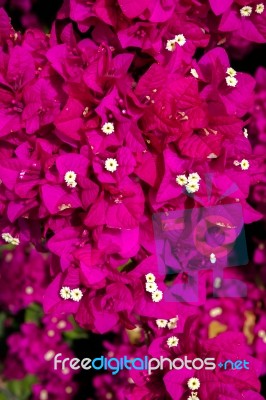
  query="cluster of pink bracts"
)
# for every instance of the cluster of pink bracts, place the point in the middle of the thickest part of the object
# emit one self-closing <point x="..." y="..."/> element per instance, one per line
<point x="123" y="111"/>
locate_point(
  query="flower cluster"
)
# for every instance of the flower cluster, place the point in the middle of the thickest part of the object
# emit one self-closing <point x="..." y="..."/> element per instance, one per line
<point x="124" y="111"/>
<point x="31" y="351"/>
<point x="24" y="276"/>
<point x="152" y="287"/>
<point x="88" y="157"/>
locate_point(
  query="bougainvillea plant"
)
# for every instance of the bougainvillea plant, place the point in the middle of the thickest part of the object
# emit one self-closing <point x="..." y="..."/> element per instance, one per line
<point x="132" y="161"/>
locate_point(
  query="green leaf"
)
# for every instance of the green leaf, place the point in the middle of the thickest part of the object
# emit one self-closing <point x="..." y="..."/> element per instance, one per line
<point x="124" y="266"/>
<point x="33" y="313"/>
<point x="22" y="388"/>
<point x="7" y="247"/>
<point x="2" y="326"/>
<point x="5" y="395"/>
<point x="75" y="335"/>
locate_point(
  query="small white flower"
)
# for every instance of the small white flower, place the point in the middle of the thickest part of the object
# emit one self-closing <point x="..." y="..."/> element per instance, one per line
<point x="70" y="178"/>
<point x="49" y="355"/>
<point x="193" y="396"/>
<point x="172" y="341"/>
<point x="10" y="239"/>
<point x="29" y="290"/>
<point x="231" y="71"/>
<point x="170" y="45"/>
<point x="246" y="11"/>
<point x="193" y="177"/>
<point x="212" y="258"/>
<point x="215" y="312"/>
<point x="172" y="324"/>
<point x="192" y="187"/>
<point x="61" y="324"/>
<point x="161" y="323"/>
<point x="7" y="237"/>
<point x="245" y="132"/>
<point x="236" y="163"/>
<point x="85" y="112"/>
<point x="65" y="293"/>
<point x="63" y="207"/>
<point x="15" y="241"/>
<point x="150" y="277"/>
<point x="212" y="155"/>
<point x="217" y="282"/>
<point x="259" y="8"/>
<point x="157" y="296"/>
<point x="194" y="73"/>
<point x="108" y="128"/>
<point x="231" y="81"/>
<point x="111" y="164"/>
<point x="181" y="180"/>
<point x="43" y="395"/>
<point x="76" y="294"/>
<point x="193" y="383"/>
<point x="180" y="39"/>
<point x="72" y="184"/>
<point x="151" y="287"/>
<point x="244" y="164"/>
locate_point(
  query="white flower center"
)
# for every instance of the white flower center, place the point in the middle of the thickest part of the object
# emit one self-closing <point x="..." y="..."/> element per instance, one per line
<point x="161" y="323"/>
<point x="244" y="164"/>
<point x="215" y="312"/>
<point x="76" y="294"/>
<point x="108" y="128"/>
<point x="193" y="383"/>
<point x="86" y="111"/>
<point x="246" y="11"/>
<point x="259" y="8"/>
<point x="181" y="180"/>
<point x="157" y="296"/>
<point x="172" y="324"/>
<point x="44" y="395"/>
<point x="180" y="39"/>
<point x="65" y="292"/>
<point x="70" y="179"/>
<point x="193" y="177"/>
<point x="63" y="207"/>
<point x="61" y="325"/>
<point x="212" y="258"/>
<point x="212" y="155"/>
<point x="10" y="239"/>
<point x="194" y="396"/>
<point x="172" y="341"/>
<point x="150" y="277"/>
<point x="194" y="73"/>
<point x="151" y="287"/>
<point x="29" y="290"/>
<point x="111" y="164"/>
<point x="231" y="81"/>
<point x="49" y="355"/>
<point x="231" y="72"/>
<point x="192" y="187"/>
<point x="170" y="45"/>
